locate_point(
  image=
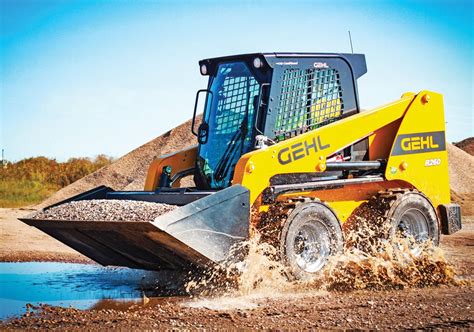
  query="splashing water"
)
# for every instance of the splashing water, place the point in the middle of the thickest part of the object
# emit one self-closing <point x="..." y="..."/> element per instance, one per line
<point x="377" y="264"/>
<point x="395" y="267"/>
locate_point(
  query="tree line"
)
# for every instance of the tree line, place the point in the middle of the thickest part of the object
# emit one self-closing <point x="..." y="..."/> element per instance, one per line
<point x="33" y="179"/>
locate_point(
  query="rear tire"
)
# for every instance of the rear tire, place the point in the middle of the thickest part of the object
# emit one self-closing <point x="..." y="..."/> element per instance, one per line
<point x="310" y="236"/>
<point x="413" y="215"/>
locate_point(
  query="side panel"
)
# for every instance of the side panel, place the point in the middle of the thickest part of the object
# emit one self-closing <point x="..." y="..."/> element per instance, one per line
<point x="418" y="154"/>
<point x="179" y="161"/>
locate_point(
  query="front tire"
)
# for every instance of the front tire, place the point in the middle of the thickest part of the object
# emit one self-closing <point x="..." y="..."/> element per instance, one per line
<point x="310" y="236"/>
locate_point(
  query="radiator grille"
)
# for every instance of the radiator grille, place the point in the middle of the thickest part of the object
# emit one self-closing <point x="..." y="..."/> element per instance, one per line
<point x="309" y="98"/>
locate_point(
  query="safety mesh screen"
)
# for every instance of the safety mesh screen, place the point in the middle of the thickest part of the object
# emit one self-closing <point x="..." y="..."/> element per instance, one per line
<point x="309" y="98"/>
<point x="235" y="95"/>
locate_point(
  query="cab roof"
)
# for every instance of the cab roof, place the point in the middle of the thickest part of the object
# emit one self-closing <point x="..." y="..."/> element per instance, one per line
<point x="355" y="61"/>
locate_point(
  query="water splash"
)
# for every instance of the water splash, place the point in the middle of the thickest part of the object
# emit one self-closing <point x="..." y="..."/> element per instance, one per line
<point x="369" y="261"/>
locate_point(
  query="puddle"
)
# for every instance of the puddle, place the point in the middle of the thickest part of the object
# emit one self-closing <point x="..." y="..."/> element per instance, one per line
<point x="73" y="285"/>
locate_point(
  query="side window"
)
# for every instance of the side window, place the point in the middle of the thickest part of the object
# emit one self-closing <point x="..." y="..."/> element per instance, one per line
<point x="234" y="91"/>
<point x="309" y="98"/>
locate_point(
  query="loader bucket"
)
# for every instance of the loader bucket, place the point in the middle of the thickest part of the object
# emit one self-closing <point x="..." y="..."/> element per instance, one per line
<point x="195" y="235"/>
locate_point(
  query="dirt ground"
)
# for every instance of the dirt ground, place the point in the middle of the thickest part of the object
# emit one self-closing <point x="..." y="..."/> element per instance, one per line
<point x="20" y="242"/>
<point x="442" y="307"/>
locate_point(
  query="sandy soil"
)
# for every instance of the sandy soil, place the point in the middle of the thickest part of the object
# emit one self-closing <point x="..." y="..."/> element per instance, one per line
<point x="441" y="307"/>
<point x="20" y="242"/>
<point x="459" y="249"/>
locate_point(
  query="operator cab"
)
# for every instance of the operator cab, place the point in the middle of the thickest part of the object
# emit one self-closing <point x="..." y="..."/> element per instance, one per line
<point x="273" y="95"/>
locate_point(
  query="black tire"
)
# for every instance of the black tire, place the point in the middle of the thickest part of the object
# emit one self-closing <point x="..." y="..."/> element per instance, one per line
<point x="311" y="234"/>
<point x="412" y="214"/>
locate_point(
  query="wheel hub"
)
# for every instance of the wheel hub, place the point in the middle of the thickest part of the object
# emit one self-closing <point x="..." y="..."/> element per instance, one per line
<point x="413" y="224"/>
<point x="311" y="246"/>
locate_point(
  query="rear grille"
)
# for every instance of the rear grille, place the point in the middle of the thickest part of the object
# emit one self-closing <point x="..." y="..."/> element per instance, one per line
<point x="309" y="99"/>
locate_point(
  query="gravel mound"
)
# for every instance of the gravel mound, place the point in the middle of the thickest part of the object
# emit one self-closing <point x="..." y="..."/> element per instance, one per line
<point x="461" y="166"/>
<point x="467" y="145"/>
<point x="129" y="172"/>
<point x="461" y="178"/>
<point x="466" y="201"/>
<point x="106" y="210"/>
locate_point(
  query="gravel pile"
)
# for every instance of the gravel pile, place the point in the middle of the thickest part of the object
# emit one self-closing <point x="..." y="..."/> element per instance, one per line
<point x="461" y="175"/>
<point x="106" y="210"/>
<point x="129" y="172"/>
<point x="467" y="145"/>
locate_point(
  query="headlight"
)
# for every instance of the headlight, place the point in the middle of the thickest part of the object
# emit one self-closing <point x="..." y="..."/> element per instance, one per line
<point x="203" y="70"/>
<point x="257" y="63"/>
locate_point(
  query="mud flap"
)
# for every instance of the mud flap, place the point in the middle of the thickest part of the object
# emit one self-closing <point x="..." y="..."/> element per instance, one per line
<point x="194" y="235"/>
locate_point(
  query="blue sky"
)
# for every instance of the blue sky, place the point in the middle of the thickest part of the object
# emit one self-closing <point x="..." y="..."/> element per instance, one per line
<point x="79" y="78"/>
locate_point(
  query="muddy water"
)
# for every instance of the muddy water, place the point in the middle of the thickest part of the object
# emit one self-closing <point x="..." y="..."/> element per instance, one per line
<point x="396" y="264"/>
<point x="77" y="285"/>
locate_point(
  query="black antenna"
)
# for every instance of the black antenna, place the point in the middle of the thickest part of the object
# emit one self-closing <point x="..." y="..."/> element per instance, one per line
<point x="350" y="39"/>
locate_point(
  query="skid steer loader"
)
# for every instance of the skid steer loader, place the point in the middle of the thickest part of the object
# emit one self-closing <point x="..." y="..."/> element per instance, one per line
<point x="286" y="130"/>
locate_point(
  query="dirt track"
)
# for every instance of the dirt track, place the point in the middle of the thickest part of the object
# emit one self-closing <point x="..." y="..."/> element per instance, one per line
<point x="434" y="307"/>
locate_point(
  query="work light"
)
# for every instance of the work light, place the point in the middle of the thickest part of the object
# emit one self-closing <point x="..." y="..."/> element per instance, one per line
<point x="203" y="70"/>
<point x="257" y="63"/>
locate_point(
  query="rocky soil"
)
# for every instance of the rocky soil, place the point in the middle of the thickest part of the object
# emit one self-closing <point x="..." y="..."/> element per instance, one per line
<point x="440" y="308"/>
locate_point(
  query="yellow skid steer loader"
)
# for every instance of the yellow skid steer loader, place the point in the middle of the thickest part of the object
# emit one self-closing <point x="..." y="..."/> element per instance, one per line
<point x="281" y="129"/>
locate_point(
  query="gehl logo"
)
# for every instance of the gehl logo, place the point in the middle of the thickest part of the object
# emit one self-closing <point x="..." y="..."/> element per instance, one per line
<point x="301" y="150"/>
<point x="419" y="143"/>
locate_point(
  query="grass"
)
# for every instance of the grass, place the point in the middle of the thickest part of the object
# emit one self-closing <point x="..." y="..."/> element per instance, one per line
<point x="32" y="180"/>
<point x="18" y="193"/>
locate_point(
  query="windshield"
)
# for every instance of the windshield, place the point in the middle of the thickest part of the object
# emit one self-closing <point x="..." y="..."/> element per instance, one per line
<point x="230" y="115"/>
